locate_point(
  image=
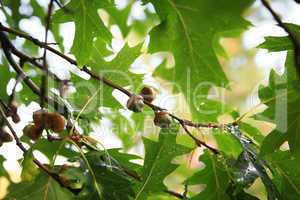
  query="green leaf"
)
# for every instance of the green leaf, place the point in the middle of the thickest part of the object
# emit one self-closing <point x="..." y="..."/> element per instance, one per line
<point x="211" y="110"/>
<point x="110" y="168"/>
<point x="41" y="188"/>
<point x="272" y="142"/>
<point x="282" y="98"/>
<point x="229" y="145"/>
<point x="239" y="193"/>
<point x="41" y="13"/>
<point x="249" y="166"/>
<point x="188" y="29"/>
<point x="15" y="16"/>
<point x="214" y="176"/>
<point x="88" y="25"/>
<point x="117" y="70"/>
<point x="124" y="159"/>
<point x="49" y="149"/>
<point x="287" y="166"/>
<point x="157" y="162"/>
<point x="72" y="177"/>
<point x="2" y="169"/>
<point x="5" y="76"/>
<point x="126" y="128"/>
<point x="275" y="44"/>
<point x="118" y="16"/>
<point x="253" y="133"/>
<point x="29" y="169"/>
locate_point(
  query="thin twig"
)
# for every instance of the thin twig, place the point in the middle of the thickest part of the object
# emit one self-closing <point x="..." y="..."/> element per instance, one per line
<point x="6" y="46"/>
<point x="199" y="142"/>
<point x="33" y="61"/>
<point x="13" y="92"/>
<point x="175" y="194"/>
<point x="291" y="34"/>
<point x="66" y="10"/>
<point x="44" y="83"/>
<point x="26" y="58"/>
<point x="37" y="42"/>
<point x="106" y="81"/>
<point x="18" y="142"/>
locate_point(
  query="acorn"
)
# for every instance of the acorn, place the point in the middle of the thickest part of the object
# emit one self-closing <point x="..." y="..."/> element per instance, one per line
<point x="57" y="122"/>
<point x="5" y="136"/>
<point x="49" y="120"/>
<point x="135" y="103"/>
<point x="16" y="118"/>
<point x="41" y="119"/>
<point x="148" y="94"/>
<point x="32" y="131"/>
<point x="162" y="119"/>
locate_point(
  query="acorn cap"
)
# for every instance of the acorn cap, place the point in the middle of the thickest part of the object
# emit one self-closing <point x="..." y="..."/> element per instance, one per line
<point x="148" y="94"/>
<point x="162" y="119"/>
<point x="135" y="103"/>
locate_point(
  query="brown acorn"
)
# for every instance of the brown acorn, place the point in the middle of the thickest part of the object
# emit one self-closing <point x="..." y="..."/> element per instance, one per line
<point x="41" y="119"/>
<point x="16" y="118"/>
<point x="148" y="94"/>
<point x="57" y="122"/>
<point x="162" y="119"/>
<point x="5" y="136"/>
<point x="135" y="103"/>
<point x="32" y="131"/>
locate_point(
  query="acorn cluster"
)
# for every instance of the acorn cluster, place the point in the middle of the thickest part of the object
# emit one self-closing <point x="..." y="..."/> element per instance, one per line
<point x="4" y="137"/>
<point x="44" y="120"/>
<point x="136" y="104"/>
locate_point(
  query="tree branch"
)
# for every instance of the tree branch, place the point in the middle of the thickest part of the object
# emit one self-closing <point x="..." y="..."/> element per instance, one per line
<point x="25" y="58"/>
<point x="183" y="122"/>
<point x="6" y="46"/>
<point x="291" y="34"/>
